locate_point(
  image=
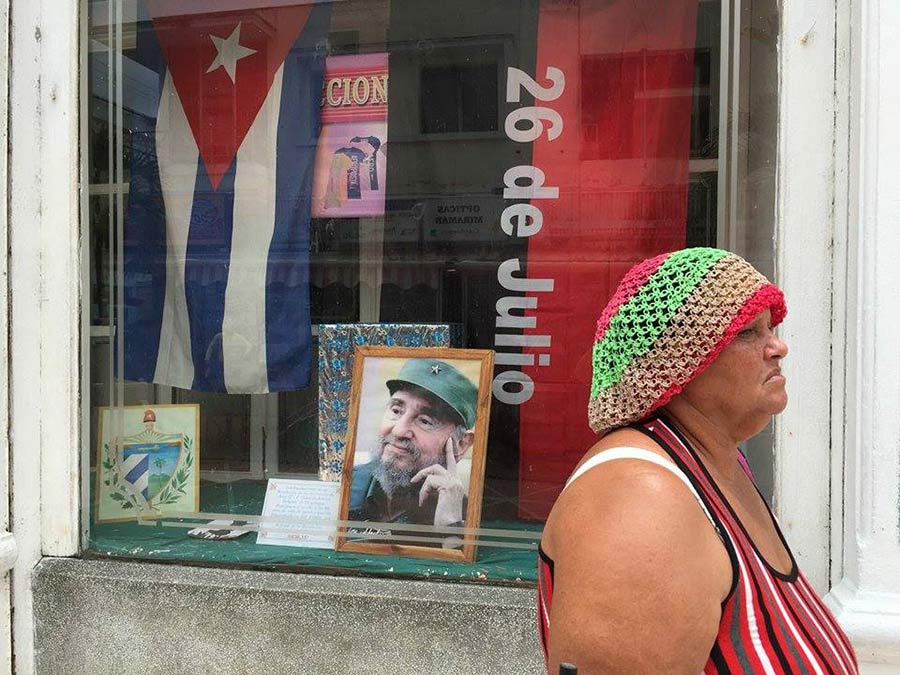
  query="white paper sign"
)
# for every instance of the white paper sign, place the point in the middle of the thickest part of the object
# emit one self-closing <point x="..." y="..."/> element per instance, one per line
<point x="309" y="509"/>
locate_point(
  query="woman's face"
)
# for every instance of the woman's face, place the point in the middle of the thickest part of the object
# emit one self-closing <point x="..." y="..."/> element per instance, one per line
<point x="744" y="386"/>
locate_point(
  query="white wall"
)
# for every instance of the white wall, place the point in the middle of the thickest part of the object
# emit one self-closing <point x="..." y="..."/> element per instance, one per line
<point x="804" y="231"/>
<point x="866" y="569"/>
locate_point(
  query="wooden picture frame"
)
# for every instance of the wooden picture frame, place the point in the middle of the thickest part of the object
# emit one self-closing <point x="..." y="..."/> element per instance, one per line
<point x="428" y="409"/>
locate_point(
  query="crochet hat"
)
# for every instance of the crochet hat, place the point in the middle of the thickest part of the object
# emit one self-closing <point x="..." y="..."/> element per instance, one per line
<point x="668" y="320"/>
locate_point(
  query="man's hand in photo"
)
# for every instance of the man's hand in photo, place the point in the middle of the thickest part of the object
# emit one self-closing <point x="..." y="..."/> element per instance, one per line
<point x="446" y="484"/>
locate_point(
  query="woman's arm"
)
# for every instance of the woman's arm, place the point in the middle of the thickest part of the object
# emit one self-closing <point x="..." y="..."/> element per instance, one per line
<point x="639" y="574"/>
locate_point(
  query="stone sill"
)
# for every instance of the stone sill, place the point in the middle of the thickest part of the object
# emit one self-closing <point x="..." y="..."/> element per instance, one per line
<point x="97" y="616"/>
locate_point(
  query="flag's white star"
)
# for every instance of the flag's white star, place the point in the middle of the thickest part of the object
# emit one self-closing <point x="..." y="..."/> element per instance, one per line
<point x="230" y="51"/>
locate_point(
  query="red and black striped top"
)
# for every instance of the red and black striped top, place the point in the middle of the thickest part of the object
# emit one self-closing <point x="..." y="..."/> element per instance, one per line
<point x="771" y="622"/>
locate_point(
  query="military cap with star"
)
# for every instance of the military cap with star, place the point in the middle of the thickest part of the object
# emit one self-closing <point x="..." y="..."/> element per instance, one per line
<point x="442" y="380"/>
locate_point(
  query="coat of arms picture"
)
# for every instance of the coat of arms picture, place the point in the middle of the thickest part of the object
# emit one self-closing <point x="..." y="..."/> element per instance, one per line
<point x="147" y="461"/>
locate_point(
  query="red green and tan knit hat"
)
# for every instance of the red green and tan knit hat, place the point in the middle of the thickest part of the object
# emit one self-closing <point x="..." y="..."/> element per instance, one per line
<point x="668" y="320"/>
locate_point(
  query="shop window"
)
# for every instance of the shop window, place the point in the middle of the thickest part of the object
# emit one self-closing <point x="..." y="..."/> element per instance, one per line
<point x="275" y="188"/>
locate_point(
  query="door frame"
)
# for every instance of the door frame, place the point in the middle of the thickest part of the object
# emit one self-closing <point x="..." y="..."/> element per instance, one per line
<point x="44" y="294"/>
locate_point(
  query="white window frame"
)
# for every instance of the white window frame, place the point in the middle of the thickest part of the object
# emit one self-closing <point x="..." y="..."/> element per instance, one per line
<point x="807" y="83"/>
<point x="817" y="250"/>
<point x="44" y="203"/>
<point x="7" y="539"/>
<point x="805" y="226"/>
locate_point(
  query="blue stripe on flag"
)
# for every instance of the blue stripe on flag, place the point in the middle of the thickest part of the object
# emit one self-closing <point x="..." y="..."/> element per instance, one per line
<point x="145" y="222"/>
<point x="288" y="334"/>
<point x="206" y="274"/>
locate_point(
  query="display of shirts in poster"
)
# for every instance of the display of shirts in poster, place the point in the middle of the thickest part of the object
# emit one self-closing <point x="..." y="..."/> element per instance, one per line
<point x="351" y="158"/>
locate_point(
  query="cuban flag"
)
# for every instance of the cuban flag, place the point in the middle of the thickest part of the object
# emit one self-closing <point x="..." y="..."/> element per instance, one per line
<point x="216" y="246"/>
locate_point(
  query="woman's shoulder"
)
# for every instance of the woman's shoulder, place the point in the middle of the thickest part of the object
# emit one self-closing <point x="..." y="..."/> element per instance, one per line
<point x="625" y="437"/>
<point x="635" y="562"/>
<point x="634" y="490"/>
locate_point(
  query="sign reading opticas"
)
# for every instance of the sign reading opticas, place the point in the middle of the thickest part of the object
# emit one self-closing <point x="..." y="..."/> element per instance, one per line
<point x="460" y="219"/>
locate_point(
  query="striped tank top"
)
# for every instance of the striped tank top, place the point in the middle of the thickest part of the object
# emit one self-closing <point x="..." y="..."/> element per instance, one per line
<point x="771" y="622"/>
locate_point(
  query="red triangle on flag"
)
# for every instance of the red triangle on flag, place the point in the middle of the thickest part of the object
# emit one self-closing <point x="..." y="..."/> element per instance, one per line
<point x="223" y="65"/>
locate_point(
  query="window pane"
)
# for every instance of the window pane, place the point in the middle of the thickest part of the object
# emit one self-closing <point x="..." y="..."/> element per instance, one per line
<point x="276" y="185"/>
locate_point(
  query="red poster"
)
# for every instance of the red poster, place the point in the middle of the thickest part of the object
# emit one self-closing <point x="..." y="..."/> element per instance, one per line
<point x="621" y="166"/>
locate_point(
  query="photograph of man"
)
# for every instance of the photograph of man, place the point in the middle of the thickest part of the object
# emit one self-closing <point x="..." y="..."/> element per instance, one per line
<point x="426" y="428"/>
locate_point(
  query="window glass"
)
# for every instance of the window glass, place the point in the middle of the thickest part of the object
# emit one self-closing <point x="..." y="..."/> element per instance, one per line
<point x="279" y="189"/>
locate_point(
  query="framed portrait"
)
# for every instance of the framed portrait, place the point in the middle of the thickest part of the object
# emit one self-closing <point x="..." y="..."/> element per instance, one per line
<point x="337" y="346"/>
<point x="413" y="468"/>
<point x="147" y="460"/>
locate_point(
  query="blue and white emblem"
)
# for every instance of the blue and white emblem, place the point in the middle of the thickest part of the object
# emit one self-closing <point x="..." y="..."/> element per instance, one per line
<point x="152" y="464"/>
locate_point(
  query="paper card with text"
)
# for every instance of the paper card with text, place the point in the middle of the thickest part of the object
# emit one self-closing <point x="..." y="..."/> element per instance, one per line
<point x="299" y="513"/>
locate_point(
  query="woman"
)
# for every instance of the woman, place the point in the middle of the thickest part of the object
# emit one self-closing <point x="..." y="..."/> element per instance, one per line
<point x="660" y="555"/>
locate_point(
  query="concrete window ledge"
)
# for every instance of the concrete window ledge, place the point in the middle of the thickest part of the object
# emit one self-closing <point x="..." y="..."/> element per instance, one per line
<point x="122" y="617"/>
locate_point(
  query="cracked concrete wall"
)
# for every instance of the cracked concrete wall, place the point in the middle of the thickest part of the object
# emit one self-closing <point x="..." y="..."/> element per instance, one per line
<point x="105" y="617"/>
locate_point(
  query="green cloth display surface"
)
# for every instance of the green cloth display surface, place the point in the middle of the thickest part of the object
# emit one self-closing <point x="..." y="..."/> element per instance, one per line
<point x="157" y="541"/>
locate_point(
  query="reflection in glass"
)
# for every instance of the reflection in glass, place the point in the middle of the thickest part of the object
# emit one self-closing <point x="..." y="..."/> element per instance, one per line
<point x="212" y="266"/>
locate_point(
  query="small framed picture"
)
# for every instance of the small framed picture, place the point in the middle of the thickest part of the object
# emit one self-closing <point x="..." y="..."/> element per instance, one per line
<point x="147" y="459"/>
<point x="413" y="469"/>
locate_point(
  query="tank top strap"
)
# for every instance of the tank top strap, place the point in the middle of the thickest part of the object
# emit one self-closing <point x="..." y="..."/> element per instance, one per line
<point x="629" y="452"/>
<point x="661" y="431"/>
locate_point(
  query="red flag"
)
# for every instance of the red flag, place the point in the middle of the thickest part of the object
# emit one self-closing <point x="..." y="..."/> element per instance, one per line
<point x="621" y="166"/>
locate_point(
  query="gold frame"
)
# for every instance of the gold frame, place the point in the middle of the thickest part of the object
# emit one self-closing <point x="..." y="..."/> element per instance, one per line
<point x="476" y="477"/>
